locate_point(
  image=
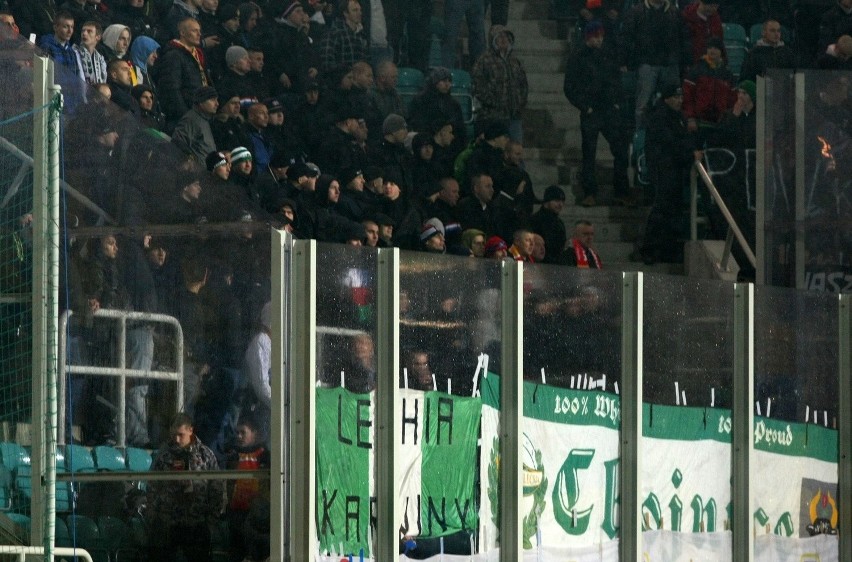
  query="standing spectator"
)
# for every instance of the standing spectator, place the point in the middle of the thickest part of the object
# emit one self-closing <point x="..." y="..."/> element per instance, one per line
<point x="670" y="152"/>
<point x="193" y="134"/>
<point x="593" y="85"/>
<point x="346" y="41"/>
<point x="579" y="252"/>
<point x="290" y="54"/>
<point x="58" y="44"/>
<point x="141" y="16"/>
<point x="227" y="29"/>
<point x="836" y="21"/>
<point x="708" y="90"/>
<point x="477" y="211"/>
<point x="149" y="114"/>
<point x="500" y="82"/>
<point x="180" y="71"/>
<point x="83" y="11"/>
<point x="514" y="181"/>
<point x="261" y="146"/>
<point x="702" y="22"/>
<point x="227" y="126"/>
<point x="182" y="512"/>
<point x="838" y="56"/>
<point x="339" y="149"/>
<point x="248" y="453"/>
<point x="435" y="104"/>
<point x="391" y="155"/>
<point x="768" y="52"/>
<point x="546" y="223"/>
<point x="36" y="16"/>
<point x="143" y="54"/>
<point x="116" y="42"/>
<point x="454" y="12"/>
<point x="235" y="80"/>
<point x="487" y="156"/>
<point x="653" y="44"/>
<point x="90" y="60"/>
<point x="120" y="82"/>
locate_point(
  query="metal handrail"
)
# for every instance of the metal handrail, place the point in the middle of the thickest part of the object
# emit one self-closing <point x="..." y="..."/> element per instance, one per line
<point x="733" y="229"/>
<point x="23" y="551"/>
<point x="121" y="371"/>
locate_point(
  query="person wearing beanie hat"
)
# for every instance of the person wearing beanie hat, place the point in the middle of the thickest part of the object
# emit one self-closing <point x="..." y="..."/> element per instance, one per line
<point x="750" y="88"/>
<point x="496" y="248"/>
<point x="394" y="123"/>
<point x="547" y="223"/>
<point x="708" y="89"/>
<point x="236" y="80"/>
<point x="487" y="156"/>
<point x="426" y="174"/>
<point x="435" y="104"/>
<point x="432" y="236"/>
<point x="592" y="84"/>
<point x="192" y="133"/>
<point x="670" y="152"/>
<point x="500" y="83"/>
<point x="236" y="55"/>
<point x="241" y="160"/>
<point x="217" y="163"/>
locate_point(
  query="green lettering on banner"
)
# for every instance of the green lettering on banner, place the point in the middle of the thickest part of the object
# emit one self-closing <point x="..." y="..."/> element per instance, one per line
<point x="449" y="455"/>
<point x="343" y="466"/>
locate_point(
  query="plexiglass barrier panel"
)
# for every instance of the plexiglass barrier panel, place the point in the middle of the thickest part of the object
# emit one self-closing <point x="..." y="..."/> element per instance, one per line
<point x="572" y="368"/>
<point x="795" y="434"/>
<point x="450" y="336"/>
<point x="779" y="165"/>
<point x="688" y="361"/>
<point x="346" y="374"/>
<point x="826" y="203"/>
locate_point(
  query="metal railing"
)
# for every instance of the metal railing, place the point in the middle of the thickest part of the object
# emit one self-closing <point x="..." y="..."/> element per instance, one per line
<point x="734" y="230"/>
<point x="121" y="371"/>
<point x="23" y="551"/>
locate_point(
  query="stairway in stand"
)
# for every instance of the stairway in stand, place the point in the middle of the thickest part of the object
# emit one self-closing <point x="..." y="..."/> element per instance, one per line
<point x="552" y="138"/>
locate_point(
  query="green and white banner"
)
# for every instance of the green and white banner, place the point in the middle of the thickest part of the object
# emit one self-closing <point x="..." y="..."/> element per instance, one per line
<point x="438" y="455"/>
<point x="571" y="508"/>
<point x="571" y="489"/>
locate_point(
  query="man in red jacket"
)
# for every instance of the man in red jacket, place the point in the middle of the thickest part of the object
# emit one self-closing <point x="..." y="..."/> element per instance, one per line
<point x="702" y="22"/>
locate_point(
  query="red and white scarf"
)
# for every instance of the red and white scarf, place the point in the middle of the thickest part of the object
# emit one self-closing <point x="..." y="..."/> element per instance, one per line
<point x="582" y="257"/>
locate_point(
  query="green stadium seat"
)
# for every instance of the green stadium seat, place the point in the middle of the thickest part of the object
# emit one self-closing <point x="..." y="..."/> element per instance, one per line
<point x="108" y="458"/>
<point x="462" y="82"/>
<point x="88" y="536"/>
<point x="117" y="539"/>
<point x="22" y="521"/>
<point x="78" y="459"/>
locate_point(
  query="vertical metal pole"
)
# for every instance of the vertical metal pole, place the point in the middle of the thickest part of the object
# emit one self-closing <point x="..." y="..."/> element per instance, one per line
<point x="511" y="410"/>
<point x="302" y="377"/>
<point x="388" y="413"/>
<point x="742" y="423"/>
<point x="42" y="79"/>
<point x="282" y="246"/>
<point x="844" y="407"/>
<point x="760" y="184"/>
<point x="630" y="476"/>
<point x="693" y="205"/>
<point x="801" y="187"/>
<point x="122" y="381"/>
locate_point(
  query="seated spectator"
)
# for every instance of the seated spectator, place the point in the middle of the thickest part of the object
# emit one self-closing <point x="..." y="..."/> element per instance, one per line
<point x="193" y="134"/>
<point x="258" y="80"/>
<point x="419" y="372"/>
<point x="444" y="153"/>
<point x="835" y="21"/>
<point x="340" y="149"/>
<point x="496" y="248"/>
<point x="539" y="251"/>
<point x="355" y="204"/>
<point x="425" y="174"/>
<point x="90" y="60"/>
<point x="768" y="52"/>
<point x="522" y="246"/>
<point x="444" y="205"/>
<point x="183" y="206"/>
<point x="181" y="513"/>
<point x="359" y="367"/>
<point x="143" y="54"/>
<point x="360" y="96"/>
<point x="371" y="234"/>
<point x="708" y="90"/>
<point x="474" y="240"/>
<point x="837" y="56"/>
<point x="580" y="252"/>
<point x="432" y="237"/>
<point x="406" y="216"/>
<point x="272" y="182"/>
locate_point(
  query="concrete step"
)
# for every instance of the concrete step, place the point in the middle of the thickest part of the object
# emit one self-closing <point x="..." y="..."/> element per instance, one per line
<point x="519" y="11"/>
<point x="545" y="82"/>
<point x="543" y="28"/>
<point x="613" y="251"/>
<point x="537" y="44"/>
<point x="542" y="62"/>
